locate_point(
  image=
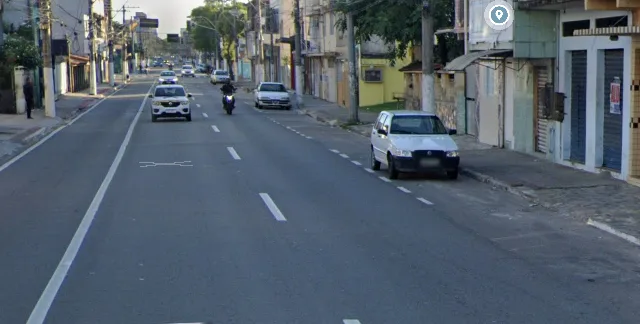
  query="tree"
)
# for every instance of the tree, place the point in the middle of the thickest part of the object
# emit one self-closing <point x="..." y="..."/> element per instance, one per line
<point x="221" y="15"/>
<point x="399" y="22"/>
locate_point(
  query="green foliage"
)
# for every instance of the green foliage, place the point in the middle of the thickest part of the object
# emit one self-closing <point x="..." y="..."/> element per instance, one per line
<point x="18" y="51"/>
<point x="399" y="22"/>
<point x="219" y="17"/>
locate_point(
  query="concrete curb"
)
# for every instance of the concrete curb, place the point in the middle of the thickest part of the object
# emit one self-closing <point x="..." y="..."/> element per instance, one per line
<point x="606" y="228"/>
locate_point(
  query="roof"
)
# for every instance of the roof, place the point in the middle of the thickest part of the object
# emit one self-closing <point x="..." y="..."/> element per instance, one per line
<point x="408" y="113"/>
<point x="272" y="83"/>
<point x="169" y="86"/>
<point x="417" y="67"/>
<point x="462" y="62"/>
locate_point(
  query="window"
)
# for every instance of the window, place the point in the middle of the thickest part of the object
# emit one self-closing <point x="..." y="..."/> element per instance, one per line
<point x="612" y="22"/>
<point x="417" y="125"/>
<point x="373" y="75"/>
<point x="170" y="92"/>
<point x="380" y="121"/>
<point x="222" y="73"/>
<point x="187" y="67"/>
<point x="489" y="86"/>
<point x="386" y="123"/>
<point x="569" y="26"/>
<point x="273" y="87"/>
<point x="167" y="73"/>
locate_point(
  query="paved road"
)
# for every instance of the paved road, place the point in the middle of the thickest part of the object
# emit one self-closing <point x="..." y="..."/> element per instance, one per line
<point x="269" y="217"/>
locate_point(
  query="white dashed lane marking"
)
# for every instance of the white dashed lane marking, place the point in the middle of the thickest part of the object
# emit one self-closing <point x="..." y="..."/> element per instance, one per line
<point x="356" y="163"/>
<point x="425" y="201"/>
<point x="198" y="105"/>
<point x="335" y="151"/>
<point x="384" y="179"/>
<point x="275" y="211"/>
<point x="233" y="153"/>
<point x="369" y="170"/>
<point x="351" y="321"/>
<point x="215" y="128"/>
<point x="344" y="156"/>
<point x="205" y="115"/>
<point x="405" y="190"/>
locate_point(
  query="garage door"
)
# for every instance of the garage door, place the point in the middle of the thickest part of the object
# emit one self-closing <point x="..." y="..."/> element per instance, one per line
<point x="612" y="125"/>
<point x="578" y="106"/>
<point x="541" y="120"/>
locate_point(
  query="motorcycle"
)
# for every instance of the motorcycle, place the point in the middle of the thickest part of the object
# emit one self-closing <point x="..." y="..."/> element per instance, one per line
<point x="229" y="104"/>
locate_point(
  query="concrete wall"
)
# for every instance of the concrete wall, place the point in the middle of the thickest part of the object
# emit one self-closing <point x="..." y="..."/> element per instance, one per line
<point x="594" y="47"/>
<point x="373" y="93"/>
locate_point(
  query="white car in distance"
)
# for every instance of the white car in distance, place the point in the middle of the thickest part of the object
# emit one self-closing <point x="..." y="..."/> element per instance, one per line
<point x="170" y="101"/>
<point x="411" y="141"/>
<point x="187" y="71"/>
<point x="272" y="94"/>
<point x="168" y="77"/>
<point x="220" y="76"/>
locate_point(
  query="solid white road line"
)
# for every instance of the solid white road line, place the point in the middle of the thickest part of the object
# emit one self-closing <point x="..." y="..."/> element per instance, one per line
<point x="205" y="115"/>
<point x="384" y="179"/>
<point x="344" y="156"/>
<point x="356" y="163"/>
<point x="425" y="201"/>
<point x="46" y="138"/>
<point x="369" y="170"/>
<point x="335" y="151"/>
<point x="275" y="211"/>
<point x="39" y="313"/>
<point x="233" y="153"/>
<point x="405" y="190"/>
<point x="351" y="321"/>
<point x="215" y="128"/>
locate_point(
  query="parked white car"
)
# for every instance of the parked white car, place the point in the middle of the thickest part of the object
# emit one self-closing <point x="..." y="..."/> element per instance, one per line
<point x="272" y="94"/>
<point x="170" y="101"/>
<point x="187" y="71"/>
<point x="220" y="76"/>
<point x="413" y="141"/>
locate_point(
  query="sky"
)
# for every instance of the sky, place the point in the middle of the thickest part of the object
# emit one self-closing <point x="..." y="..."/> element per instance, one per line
<point x="172" y="14"/>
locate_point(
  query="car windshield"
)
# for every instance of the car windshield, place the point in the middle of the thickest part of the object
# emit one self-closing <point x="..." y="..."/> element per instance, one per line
<point x="167" y="73"/>
<point x="417" y="125"/>
<point x="222" y="73"/>
<point x="187" y="67"/>
<point x="170" y="92"/>
<point x="273" y="88"/>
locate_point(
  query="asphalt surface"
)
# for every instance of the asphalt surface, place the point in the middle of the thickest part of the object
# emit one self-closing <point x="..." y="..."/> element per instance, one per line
<point x="270" y="217"/>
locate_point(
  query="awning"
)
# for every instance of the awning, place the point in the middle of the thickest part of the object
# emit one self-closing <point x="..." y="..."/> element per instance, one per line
<point x="607" y="31"/>
<point x="78" y="60"/>
<point x="461" y="62"/>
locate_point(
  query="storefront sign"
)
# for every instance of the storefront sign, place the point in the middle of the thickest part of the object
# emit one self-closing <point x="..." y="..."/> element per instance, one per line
<point x="614" y="97"/>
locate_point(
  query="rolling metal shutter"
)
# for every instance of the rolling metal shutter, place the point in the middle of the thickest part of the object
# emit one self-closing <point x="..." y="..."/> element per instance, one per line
<point x="578" y="106"/>
<point x="541" y="121"/>
<point x="612" y="123"/>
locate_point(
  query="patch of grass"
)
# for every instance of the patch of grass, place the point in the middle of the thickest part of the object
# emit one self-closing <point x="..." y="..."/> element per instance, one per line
<point x="393" y="105"/>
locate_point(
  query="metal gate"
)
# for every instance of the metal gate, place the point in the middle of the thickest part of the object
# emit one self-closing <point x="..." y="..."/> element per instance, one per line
<point x="612" y="123"/>
<point x="578" y="106"/>
<point x="541" y="120"/>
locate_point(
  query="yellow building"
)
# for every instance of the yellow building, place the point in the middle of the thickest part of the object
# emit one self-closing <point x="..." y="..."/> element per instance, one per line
<point x="379" y="81"/>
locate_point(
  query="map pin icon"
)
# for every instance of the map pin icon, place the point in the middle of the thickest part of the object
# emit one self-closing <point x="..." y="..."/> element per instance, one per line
<point x="499" y="14"/>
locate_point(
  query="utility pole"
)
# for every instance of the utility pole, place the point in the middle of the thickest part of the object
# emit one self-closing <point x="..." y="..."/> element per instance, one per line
<point x="354" y="86"/>
<point x="298" y="58"/>
<point x="93" y="82"/>
<point x="33" y="18"/>
<point x="260" y="66"/>
<point x="428" y="81"/>
<point x="45" y="29"/>
<point x="1" y="23"/>
<point x="112" y="77"/>
<point x="272" y="65"/>
<point x="133" y="47"/>
<point x="235" y="14"/>
<point x="125" y="65"/>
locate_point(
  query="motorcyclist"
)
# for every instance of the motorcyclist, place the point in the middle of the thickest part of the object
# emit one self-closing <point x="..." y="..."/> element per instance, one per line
<point x="228" y="89"/>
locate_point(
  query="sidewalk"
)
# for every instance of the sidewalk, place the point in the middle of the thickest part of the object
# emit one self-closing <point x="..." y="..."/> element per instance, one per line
<point x="595" y="199"/>
<point x="334" y="115"/>
<point x="17" y="132"/>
